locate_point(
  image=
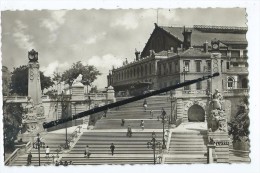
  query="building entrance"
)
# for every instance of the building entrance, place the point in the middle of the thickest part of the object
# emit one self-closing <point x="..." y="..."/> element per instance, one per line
<point x="196" y="114"/>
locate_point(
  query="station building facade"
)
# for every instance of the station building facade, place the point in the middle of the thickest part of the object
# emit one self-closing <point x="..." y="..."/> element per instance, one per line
<point x="176" y="54"/>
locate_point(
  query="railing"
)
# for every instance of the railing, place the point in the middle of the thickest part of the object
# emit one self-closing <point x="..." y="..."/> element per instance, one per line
<point x="204" y="92"/>
<point x="12" y="157"/>
<point x="28" y="146"/>
<point x="74" y="135"/>
<point x="237" y="91"/>
<point x="96" y="95"/>
<point x="15" y="98"/>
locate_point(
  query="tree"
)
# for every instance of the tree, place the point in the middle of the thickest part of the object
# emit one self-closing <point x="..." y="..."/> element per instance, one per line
<point x="6" y="78"/>
<point x="89" y="74"/>
<point x="12" y="121"/>
<point x="93" y="89"/>
<point x="239" y="125"/>
<point x="46" y="81"/>
<point x="19" y="81"/>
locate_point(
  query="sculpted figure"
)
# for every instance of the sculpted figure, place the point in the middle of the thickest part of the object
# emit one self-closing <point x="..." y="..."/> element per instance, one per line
<point x="78" y="79"/>
<point x="217" y="100"/>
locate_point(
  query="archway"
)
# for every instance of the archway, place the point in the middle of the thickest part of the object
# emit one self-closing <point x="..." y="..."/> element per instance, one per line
<point x="196" y="114"/>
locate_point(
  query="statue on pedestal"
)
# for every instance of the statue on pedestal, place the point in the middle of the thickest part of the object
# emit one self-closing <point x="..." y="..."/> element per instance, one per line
<point x="78" y="80"/>
<point x="217" y="117"/>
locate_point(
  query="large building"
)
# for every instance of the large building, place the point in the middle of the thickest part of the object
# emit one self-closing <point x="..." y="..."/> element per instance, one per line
<point x="176" y="54"/>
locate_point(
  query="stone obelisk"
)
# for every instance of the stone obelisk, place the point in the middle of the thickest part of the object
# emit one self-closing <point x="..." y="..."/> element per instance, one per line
<point x="217" y="120"/>
<point x="33" y="114"/>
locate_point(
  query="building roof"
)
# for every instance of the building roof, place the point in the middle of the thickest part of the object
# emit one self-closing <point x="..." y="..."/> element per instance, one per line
<point x="202" y="33"/>
<point x="191" y="52"/>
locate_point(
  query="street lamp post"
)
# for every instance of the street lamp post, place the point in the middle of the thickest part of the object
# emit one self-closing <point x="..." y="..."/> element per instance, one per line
<point x="164" y="118"/>
<point x="39" y="144"/>
<point x="153" y="144"/>
<point x="66" y="129"/>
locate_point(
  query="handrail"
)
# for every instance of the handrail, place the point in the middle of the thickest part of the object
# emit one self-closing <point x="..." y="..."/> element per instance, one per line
<point x="74" y="134"/>
<point x="12" y="157"/>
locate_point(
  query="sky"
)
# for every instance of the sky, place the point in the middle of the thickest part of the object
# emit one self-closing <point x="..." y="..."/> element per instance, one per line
<point x="103" y="38"/>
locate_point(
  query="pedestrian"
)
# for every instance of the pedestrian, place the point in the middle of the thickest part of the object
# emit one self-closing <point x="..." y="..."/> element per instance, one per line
<point x="57" y="163"/>
<point x="112" y="148"/>
<point x="163" y="114"/>
<point x="142" y="124"/>
<point x="129" y="131"/>
<point x="151" y="113"/>
<point x="66" y="163"/>
<point x="87" y="153"/>
<point x="122" y="122"/>
<point x="145" y="105"/>
<point x="47" y="151"/>
<point x="29" y="159"/>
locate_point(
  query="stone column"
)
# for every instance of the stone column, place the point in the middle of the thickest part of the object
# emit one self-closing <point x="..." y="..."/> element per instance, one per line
<point x="217" y="120"/>
<point x="34" y="83"/>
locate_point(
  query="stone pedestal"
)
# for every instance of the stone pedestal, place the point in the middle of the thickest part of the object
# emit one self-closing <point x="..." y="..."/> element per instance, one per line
<point x="77" y="92"/>
<point x="111" y="94"/>
<point x="221" y="141"/>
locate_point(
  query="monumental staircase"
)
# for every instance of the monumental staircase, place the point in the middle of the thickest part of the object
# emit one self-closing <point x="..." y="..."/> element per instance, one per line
<point x="133" y="113"/>
<point x="128" y="150"/>
<point x="187" y="145"/>
<point x="53" y="140"/>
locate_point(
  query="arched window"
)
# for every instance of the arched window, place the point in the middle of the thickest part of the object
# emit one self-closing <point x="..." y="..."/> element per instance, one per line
<point x="142" y="71"/>
<point x="230" y="83"/>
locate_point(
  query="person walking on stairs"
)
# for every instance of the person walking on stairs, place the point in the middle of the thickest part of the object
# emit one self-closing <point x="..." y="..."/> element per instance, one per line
<point x="129" y="131"/>
<point x="29" y="159"/>
<point x="112" y="148"/>
<point x="142" y="124"/>
<point x="47" y="151"/>
<point x="87" y="153"/>
<point x="145" y="105"/>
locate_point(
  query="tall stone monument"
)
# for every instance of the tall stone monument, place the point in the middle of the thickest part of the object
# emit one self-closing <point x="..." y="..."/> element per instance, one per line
<point x="33" y="115"/>
<point x="217" y="120"/>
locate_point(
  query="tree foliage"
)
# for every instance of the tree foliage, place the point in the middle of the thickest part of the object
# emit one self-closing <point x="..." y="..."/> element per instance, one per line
<point x="239" y="125"/>
<point x="12" y="121"/>
<point x="6" y="79"/>
<point x="93" y="89"/>
<point x="89" y="73"/>
<point x="46" y="81"/>
<point x="19" y="81"/>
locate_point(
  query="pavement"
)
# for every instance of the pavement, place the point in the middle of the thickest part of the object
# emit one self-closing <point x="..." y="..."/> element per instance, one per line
<point x="191" y="127"/>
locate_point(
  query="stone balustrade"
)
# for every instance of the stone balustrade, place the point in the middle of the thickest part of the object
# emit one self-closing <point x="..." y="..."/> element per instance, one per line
<point x="12" y="157"/>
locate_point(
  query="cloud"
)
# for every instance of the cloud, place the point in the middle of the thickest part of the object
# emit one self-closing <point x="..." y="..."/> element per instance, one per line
<point x="104" y="64"/>
<point x="129" y="21"/>
<point x="21" y="38"/>
<point x="93" y="39"/>
<point x="56" y="20"/>
<point x="54" y="66"/>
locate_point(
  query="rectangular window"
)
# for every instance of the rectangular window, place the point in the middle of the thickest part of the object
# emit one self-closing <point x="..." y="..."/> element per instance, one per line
<point x="208" y="65"/>
<point x="198" y="63"/>
<point x="170" y="67"/>
<point x="235" y="54"/>
<point x="228" y="65"/>
<point x="186" y="66"/>
<point x="221" y="67"/>
<point x="187" y="87"/>
<point x="176" y="66"/>
<point x="198" y="85"/>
